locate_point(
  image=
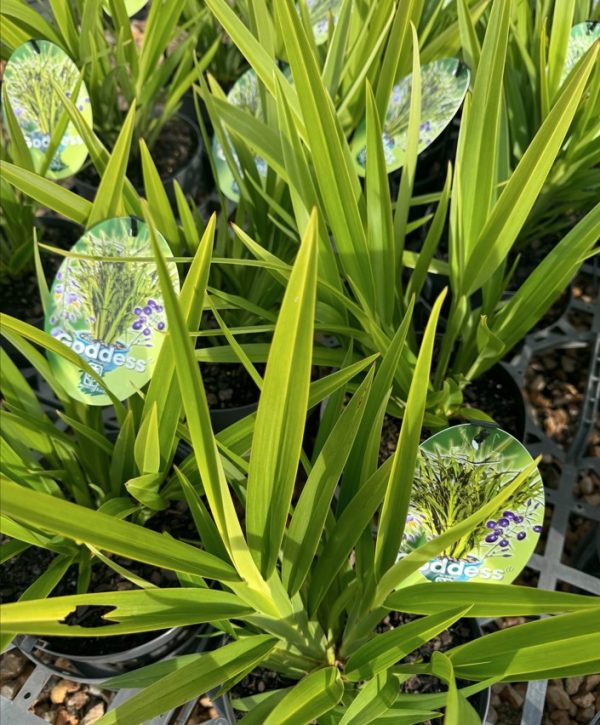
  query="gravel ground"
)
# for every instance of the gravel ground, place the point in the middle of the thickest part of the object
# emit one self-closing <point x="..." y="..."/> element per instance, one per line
<point x="63" y="702"/>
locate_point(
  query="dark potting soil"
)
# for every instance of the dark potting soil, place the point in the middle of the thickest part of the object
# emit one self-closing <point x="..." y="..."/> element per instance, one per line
<point x="177" y="521"/>
<point x="20" y="296"/>
<point x="498" y="398"/>
<point x="18" y="573"/>
<point x="175" y="146"/>
<point x="228" y="385"/>
<point x="258" y="681"/>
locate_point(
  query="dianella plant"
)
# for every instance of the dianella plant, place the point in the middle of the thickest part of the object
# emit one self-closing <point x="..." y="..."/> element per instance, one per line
<point x="117" y="73"/>
<point x="299" y="581"/>
<point x="547" y="41"/>
<point x="370" y="266"/>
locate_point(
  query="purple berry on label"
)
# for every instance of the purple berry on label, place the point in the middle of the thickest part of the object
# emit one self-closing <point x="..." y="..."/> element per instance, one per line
<point x="137" y="325"/>
<point x="137" y="311"/>
<point x="159" y="308"/>
<point x="152" y="303"/>
<point x="521" y="535"/>
<point x="503" y="522"/>
<point x="518" y="519"/>
<point x="491" y="524"/>
<point x="537" y="529"/>
<point x="161" y="326"/>
<point x="146" y="331"/>
<point x="508" y="514"/>
<point x="147" y="310"/>
<point x="504" y="543"/>
<point x="491" y="538"/>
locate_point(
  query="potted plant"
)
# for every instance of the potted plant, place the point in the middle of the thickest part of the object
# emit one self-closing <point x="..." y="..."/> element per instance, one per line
<point x="119" y="74"/>
<point x="370" y="274"/>
<point x="305" y="586"/>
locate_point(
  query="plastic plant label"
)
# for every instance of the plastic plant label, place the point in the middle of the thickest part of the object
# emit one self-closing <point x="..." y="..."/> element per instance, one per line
<point x="110" y="313"/>
<point x="131" y="6"/>
<point x="245" y="94"/>
<point x="458" y="471"/>
<point x="444" y="84"/>
<point x="29" y="75"/>
<point x="322" y="13"/>
<point x="582" y="37"/>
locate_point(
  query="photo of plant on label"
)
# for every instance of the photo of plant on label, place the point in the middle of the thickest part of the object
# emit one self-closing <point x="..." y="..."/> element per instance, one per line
<point x="30" y="76"/>
<point x="458" y="471"/>
<point x="322" y="14"/>
<point x="245" y="94"/>
<point x="110" y="313"/>
<point x="581" y="39"/>
<point x="444" y="84"/>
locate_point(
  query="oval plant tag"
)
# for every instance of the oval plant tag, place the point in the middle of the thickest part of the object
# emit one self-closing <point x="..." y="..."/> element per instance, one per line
<point x="131" y="6"/>
<point x="581" y="39"/>
<point x="244" y="94"/>
<point x="444" y="84"/>
<point x="321" y="12"/>
<point x="110" y="313"/>
<point x="28" y="76"/>
<point x="458" y="471"/>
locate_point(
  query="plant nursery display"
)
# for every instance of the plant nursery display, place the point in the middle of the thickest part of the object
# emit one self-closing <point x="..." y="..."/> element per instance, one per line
<point x="300" y="362"/>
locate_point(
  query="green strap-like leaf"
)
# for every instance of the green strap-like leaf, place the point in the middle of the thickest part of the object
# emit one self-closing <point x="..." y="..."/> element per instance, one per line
<point x="397" y="497"/>
<point x="375" y="698"/>
<point x="306" y="528"/>
<point x="47" y="193"/>
<point x="568" y="644"/>
<point x="189" y="379"/>
<point x="142" y="610"/>
<point x="194" y="679"/>
<point x="281" y="414"/>
<point x="109" y="202"/>
<point x="488" y="600"/>
<point x="519" y="195"/>
<point x="108" y="533"/>
<point x="315" y="695"/>
<point x="385" y="650"/>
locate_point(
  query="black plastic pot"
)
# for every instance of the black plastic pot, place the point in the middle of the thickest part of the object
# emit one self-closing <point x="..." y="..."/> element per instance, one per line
<point x="72" y="232"/>
<point x="587" y="555"/>
<point x="222" y="418"/>
<point x="97" y="668"/>
<point x="189" y="177"/>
